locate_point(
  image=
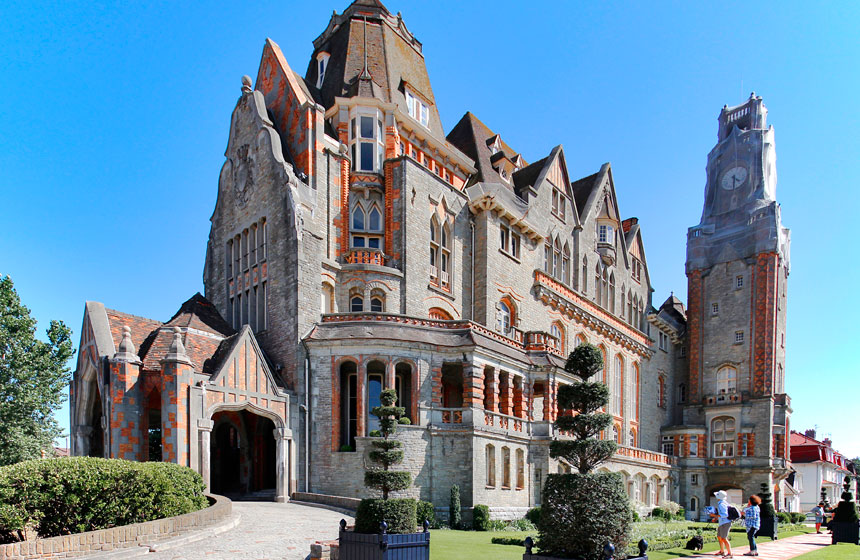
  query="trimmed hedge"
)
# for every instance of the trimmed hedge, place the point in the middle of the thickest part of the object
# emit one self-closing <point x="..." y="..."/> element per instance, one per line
<point x="400" y="514"/>
<point x="533" y="515"/>
<point x="481" y="518"/>
<point x="573" y="525"/>
<point x="70" y="495"/>
<point x="425" y="511"/>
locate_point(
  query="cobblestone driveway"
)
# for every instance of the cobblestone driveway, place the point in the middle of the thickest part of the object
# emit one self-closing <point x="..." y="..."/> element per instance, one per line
<point x="266" y="530"/>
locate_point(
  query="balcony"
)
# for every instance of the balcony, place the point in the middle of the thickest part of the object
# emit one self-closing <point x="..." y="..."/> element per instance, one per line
<point x="365" y="256"/>
<point x="730" y="396"/>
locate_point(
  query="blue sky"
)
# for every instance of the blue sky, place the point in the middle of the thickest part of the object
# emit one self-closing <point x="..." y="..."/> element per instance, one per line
<point x="114" y="121"/>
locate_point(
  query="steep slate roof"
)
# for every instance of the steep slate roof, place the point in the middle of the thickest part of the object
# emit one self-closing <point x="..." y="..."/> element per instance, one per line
<point x="470" y="136"/>
<point x="581" y="189"/>
<point x="366" y="33"/>
<point x="152" y="339"/>
<point x="526" y="177"/>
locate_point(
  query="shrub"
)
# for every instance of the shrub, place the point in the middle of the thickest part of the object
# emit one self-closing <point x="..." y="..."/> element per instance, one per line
<point x="425" y="511"/>
<point x="399" y="514"/>
<point x="783" y="517"/>
<point x="533" y="515"/>
<point x="660" y="513"/>
<point x="73" y="495"/>
<point x="673" y="508"/>
<point x="515" y="541"/>
<point x="454" y="516"/>
<point x="636" y="517"/>
<point x="521" y="525"/>
<point x="581" y="513"/>
<point x="346" y="448"/>
<point x="797" y="517"/>
<point x="404" y="420"/>
<point x="481" y="518"/>
<point x="374" y="433"/>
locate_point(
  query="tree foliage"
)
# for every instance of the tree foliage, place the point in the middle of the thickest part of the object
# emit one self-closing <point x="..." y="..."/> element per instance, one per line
<point x="33" y="375"/>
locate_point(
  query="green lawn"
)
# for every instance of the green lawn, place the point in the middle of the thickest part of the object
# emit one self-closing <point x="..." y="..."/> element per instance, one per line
<point x="840" y="551"/>
<point x="450" y="545"/>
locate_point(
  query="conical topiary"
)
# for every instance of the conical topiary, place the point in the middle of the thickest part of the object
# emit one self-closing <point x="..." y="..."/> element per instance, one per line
<point x="581" y="512"/>
<point x="846" y="509"/>
<point x="398" y="514"/>
<point x="766" y="501"/>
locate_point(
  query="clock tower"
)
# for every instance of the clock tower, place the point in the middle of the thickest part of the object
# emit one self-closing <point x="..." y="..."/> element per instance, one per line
<point x="737" y="268"/>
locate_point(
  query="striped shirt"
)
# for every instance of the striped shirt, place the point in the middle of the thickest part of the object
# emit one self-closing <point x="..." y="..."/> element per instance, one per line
<point x="751" y="517"/>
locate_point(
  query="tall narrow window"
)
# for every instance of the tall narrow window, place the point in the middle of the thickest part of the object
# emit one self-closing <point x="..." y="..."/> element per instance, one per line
<point x="446" y="257"/>
<point x="491" y="466"/>
<point x="367" y="141"/>
<point x="630" y="307"/>
<point x="506" y="467"/>
<point x="417" y="109"/>
<point x="356" y="304"/>
<point x="604" y="287"/>
<point x="661" y="391"/>
<point x="612" y="293"/>
<point x="503" y="323"/>
<point x="322" y="65"/>
<point x="556" y="259"/>
<point x="377" y="304"/>
<point x="565" y="264"/>
<point x="521" y="469"/>
<point x="348" y="405"/>
<point x="557" y="331"/>
<point x="435" y="234"/>
<point x="547" y="258"/>
<point x="504" y="237"/>
<point x="584" y="276"/>
<point x="366" y="226"/>
<point x="375" y="372"/>
<point x="617" y="386"/>
<point x="597" y="291"/>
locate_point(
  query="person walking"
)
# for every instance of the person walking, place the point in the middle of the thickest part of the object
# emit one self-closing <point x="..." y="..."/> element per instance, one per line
<point x="818" y="512"/>
<point x="724" y="524"/>
<point x="752" y="520"/>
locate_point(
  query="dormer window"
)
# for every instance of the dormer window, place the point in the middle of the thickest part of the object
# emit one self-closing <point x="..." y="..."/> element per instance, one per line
<point x="418" y="110"/>
<point x="322" y="65"/>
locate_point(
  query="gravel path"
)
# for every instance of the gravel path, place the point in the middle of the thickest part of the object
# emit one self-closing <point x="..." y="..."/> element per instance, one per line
<point x="267" y="530"/>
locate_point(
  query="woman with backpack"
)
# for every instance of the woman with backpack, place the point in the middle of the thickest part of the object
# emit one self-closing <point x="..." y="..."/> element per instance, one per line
<point x="752" y="520"/>
<point x="725" y="523"/>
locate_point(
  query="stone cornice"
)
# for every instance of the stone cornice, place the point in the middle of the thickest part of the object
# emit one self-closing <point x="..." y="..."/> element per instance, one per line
<point x="565" y="300"/>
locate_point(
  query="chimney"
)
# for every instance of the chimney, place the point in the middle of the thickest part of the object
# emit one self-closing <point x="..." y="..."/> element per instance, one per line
<point x="810" y="433"/>
<point x="827" y="442"/>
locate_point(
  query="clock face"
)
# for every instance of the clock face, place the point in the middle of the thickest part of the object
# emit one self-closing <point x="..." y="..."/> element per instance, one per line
<point x="734" y="177"/>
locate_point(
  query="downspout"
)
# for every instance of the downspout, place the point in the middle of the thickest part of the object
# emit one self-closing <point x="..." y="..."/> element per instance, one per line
<point x="307" y="411"/>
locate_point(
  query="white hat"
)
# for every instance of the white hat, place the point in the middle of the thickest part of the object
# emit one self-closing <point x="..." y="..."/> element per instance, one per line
<point x="721" y="494"/>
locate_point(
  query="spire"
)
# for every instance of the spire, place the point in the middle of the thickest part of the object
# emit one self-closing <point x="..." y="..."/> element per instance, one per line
<point x="177" y="353"/>
<point x="126" y="351"/>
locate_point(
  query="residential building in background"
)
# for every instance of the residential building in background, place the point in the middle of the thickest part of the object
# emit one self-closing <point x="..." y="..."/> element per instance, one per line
<point x="819" y="467"/>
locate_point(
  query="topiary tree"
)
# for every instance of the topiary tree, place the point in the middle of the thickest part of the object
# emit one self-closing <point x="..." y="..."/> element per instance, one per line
<point x="846" y="509"/>
<point x="583" y="511"/>
<point x="769" y="524"/>
<point x="398" y="514"/>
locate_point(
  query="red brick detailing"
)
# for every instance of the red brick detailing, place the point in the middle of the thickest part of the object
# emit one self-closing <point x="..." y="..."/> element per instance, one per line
<point x="764" y="323"/>
<point x="505" y="392"/>
<point x="436" y="377"/>
<point x="695" y="285"/>
<point x="392" y="142"/>
<point x="342" y="221"/>
<point x="473" y="386"/>
<point x="361" y="389"/>
<point x="391" y="194"/>
<point x="520" y="398"/>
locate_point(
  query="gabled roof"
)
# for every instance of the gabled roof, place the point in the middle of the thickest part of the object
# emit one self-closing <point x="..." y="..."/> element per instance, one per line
<point x="470" y="136"/>
<point x="199" y="313"/>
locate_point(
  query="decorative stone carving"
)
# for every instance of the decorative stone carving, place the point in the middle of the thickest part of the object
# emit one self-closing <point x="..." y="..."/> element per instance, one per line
<point x="243" y="175"/>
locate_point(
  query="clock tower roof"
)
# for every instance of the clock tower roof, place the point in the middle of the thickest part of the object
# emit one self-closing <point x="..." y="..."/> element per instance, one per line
<point x="749" y="115"/>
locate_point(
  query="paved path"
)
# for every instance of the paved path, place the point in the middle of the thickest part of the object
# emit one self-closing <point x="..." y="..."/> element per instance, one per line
<point x="267" y="530"/>
<point x="781" y="549"/>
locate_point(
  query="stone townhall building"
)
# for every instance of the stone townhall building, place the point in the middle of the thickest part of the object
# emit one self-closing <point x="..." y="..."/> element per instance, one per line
<point x="356" y="246"/>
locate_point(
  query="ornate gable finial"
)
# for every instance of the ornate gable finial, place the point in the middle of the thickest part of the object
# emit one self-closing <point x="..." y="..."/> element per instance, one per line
<point x="177" y="353"/>
<point x="126" y="351"/>
<point x="247" y="85"/>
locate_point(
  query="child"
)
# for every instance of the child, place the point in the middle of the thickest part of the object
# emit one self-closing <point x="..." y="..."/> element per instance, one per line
<point x="818" y="512"/>
<point x="752" y="520"/>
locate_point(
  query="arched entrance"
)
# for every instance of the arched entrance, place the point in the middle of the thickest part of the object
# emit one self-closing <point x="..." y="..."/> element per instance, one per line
<point x="243" y="454"/>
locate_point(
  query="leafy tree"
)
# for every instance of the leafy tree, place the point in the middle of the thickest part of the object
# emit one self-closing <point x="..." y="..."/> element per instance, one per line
<point x="581" y="512"/>
<point x="33" y="375"/>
